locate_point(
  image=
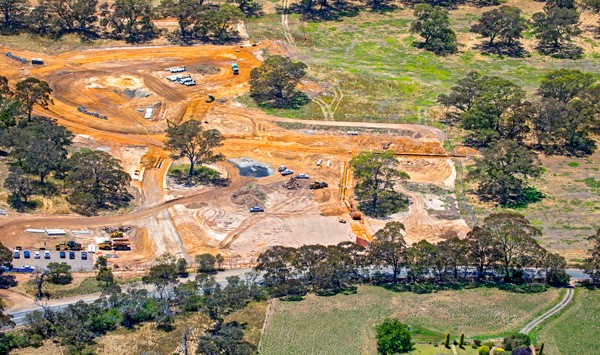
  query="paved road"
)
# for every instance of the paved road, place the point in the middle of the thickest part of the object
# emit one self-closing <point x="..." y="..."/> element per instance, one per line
<point x="58" y="304"/>
<point x="559" y="307"/>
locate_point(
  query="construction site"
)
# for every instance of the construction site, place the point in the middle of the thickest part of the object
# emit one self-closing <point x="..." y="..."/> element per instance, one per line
<point x="120" y="100"/>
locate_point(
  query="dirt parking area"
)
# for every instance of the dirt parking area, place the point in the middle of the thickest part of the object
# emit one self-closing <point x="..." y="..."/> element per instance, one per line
<point x="77" y="264"/>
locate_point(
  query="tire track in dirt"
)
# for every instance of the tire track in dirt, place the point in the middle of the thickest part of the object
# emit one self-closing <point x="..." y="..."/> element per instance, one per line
<point x="285" y="23"/>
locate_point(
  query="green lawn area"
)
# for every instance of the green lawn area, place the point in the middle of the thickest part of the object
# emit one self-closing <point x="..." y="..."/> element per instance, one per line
<point x="344" y="324"/>
<point x="576" y="329"/>
<point x="77" y="287"/>
<point x="383" y="77"/>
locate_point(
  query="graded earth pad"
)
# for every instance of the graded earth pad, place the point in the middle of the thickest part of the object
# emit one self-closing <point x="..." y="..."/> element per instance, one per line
<point x="119" y="82"/>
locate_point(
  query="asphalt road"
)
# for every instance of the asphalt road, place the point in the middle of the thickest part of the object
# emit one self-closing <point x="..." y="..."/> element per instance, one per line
<point x="58" y="304"/>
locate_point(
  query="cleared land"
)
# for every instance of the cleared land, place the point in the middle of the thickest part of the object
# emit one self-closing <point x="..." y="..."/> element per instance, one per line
<point x="345" y="324"/>
<point x="119" y="82"/>
<point x="576" y="329"/>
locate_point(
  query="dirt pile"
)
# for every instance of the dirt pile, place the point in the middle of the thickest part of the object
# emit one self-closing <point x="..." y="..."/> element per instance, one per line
<point x="249" y="196"/>
<point x="292" y="184"/>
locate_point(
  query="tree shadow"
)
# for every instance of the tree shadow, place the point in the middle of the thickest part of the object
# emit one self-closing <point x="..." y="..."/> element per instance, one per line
<point x="327" y="12"/>
<point x="563" y="51"/>
<point x="514" y="50"/>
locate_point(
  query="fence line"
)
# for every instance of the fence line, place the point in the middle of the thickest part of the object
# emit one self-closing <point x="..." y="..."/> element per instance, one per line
<point x="462" y="178"/>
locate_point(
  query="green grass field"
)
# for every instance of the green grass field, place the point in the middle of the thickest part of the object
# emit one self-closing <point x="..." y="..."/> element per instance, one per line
<point x="383" y="77"/>
<point x="345" y="324"/>
<point x="576" y="329"/>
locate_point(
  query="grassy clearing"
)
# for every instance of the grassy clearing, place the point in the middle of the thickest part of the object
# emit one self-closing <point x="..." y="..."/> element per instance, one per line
<point x="344" y="324"/>
<point x="252" y="317"/>
<point x="383" y="77"/>
<point x="77" y="287"/>
<point x="569" y="213"/>
<point x="576" y="329"/>
<point x="146" y="339"/>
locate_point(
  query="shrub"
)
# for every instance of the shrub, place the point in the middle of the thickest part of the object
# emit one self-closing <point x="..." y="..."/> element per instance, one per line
<point x="489" y="344"/>
<point x="483" y="350"/>
<point x="515" y="341"/>
<point x="521" y="351"/>
<point x="36" y="340"/>
<point x="393" y="337"/>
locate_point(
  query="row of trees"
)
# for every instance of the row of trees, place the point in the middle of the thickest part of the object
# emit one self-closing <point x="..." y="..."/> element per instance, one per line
<point x="332" y="10"/>
<point x="129" y="20"/>
<point x="503" y="27"/>
<point x="500" y="249"/>
<point x="509" y="127"/>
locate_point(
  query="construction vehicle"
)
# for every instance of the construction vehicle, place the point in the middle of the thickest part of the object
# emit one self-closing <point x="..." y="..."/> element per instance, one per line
<point x="105" y="246"/>
<point x="70" y="245"/>
<point x="117" y="234"/>
<point x="317" y="185"/>
<point x="354" y="213"/>
<point x="121" y="246"/>
<point x="235" y="69"/>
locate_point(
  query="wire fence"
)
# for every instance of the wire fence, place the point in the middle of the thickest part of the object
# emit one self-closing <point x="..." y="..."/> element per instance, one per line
<point x="460" y="176"/>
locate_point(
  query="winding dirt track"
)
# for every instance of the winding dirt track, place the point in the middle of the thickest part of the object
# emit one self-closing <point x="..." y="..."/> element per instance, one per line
<point x="96" y="78"/>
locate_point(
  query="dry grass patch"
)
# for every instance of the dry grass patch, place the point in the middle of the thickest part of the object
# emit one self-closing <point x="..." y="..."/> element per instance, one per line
<point x="252" y="317"/>
<point x="148" y="339"/>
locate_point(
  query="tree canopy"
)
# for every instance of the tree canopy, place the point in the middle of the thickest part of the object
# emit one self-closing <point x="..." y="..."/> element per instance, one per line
<point x="97" y="182"/>
<point x="504" y="171"/>
<point x="376" y="175"/>
<point x="505" y="24"/>
<point x="39" y="147"/>
<point x="191" y="141"/>
<point x="555" y="28"/>
<point x="592" y="262"/>
<point x="274" y="82"/>
<point x="393" y="337"/>
<point x="433" y="24"/>
<point x="31" y="92"/>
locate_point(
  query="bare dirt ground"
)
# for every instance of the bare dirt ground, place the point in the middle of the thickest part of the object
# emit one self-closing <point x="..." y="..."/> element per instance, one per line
<point x="119" y="82"/>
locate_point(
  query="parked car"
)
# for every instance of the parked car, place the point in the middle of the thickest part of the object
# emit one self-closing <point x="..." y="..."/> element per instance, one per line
<point x="83" y="255"/>
<point x="36" y="255"/>
<point x="282" y="168"/>
<point x="16" y="254"/>
<point x="62" y="255"/>
<point x="287" y="172"/>
<point x="302" y="176"/>
<point x="257" y="209"/>
<point x="26" y="254"/>
<point x="71" y="255"/>
<point x="46" y="254"/>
